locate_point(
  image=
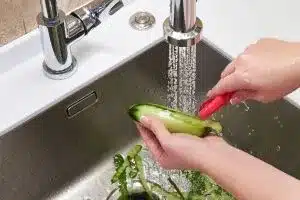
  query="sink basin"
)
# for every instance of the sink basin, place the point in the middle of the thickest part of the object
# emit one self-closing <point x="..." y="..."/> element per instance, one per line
<point x="66" y="152"/>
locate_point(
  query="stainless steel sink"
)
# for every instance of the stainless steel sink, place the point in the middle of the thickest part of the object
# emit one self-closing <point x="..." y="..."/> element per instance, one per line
<point x="66" y="152"/>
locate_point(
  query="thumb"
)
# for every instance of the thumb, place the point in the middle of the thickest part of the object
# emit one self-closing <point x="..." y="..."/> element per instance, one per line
<point x="156" y="126"/>
<point x="229" y="83"/>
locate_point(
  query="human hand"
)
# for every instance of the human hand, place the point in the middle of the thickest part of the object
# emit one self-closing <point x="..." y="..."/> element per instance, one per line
<point x="178" y="150"/>
<point x="266" y="71"/>
<point x="236" y="171"/>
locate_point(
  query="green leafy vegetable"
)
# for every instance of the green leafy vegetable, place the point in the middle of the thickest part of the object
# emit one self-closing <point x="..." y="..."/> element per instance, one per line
<point x="131" y="167"/>
<point x="139" y="165"/>
<point x="120" y="175"/>
<point x="119" y="170"/>
<point x="176" y="188"/>
<point x="118" y="160"/>
<point x="203" y="185"/>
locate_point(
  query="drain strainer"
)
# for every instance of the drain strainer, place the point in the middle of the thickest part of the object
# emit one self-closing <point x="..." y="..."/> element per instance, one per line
<point x="142" y="21"/>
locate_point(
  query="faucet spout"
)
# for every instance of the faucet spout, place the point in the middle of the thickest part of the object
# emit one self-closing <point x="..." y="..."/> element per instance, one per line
<point x="182" y="28"/>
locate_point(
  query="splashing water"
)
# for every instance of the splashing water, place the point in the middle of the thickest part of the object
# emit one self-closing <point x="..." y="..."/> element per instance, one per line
<point x="278" y="148"/>
<point x="182" y="78"/>
<point x="181" y="95"/>
<point x="181" y="89"/>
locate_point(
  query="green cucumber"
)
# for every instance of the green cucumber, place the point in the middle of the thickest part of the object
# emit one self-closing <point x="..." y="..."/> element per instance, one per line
<point x="175" y="121"/>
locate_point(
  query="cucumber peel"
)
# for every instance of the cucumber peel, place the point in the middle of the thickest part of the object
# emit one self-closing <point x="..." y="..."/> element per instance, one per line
<point x="174" y="120"/>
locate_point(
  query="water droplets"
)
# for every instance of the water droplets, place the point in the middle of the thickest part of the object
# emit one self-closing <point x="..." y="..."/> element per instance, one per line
<point x="182" y="78"/>
<point x="181" y="95"/>
<point x="280" y="125"/>
<point x="278" y="148"/>
<point x="230" y="132"/>
<point x="247" y="108"/>
<point x="172" y="95"/>
<point x="157" y="174"/>
<point x="276" y="118"/>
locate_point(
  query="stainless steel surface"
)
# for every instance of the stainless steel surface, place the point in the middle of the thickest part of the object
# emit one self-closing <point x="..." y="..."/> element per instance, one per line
<point x="54" y="157"/>
<point x="182" y="39"/>
<point x="182" y="15"/>
<point x="182" y="28"/>
<point x="59" y="32"/>
<point x="142" y="21"/>
<point x="82" y="104"/>
<point x="49" y="8"/>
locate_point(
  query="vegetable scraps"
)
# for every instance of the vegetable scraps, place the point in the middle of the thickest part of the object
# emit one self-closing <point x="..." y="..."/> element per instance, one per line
<point x="130" y="167"/>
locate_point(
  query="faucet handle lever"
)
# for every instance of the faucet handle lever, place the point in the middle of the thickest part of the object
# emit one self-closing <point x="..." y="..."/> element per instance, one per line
<point x="95" y="13"/>
<point x="106" y="9"/>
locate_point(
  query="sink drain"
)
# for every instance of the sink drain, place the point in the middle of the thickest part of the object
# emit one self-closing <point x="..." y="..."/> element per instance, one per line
<point x="142" y="21"/>
<point x="136" y="192"/>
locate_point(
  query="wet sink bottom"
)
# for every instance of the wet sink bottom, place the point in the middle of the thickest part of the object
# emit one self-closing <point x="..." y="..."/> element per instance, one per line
<point x="58" y="157"/>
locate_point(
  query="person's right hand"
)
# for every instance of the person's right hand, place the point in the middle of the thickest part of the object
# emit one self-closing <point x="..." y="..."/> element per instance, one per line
<point x="266" y="71"/>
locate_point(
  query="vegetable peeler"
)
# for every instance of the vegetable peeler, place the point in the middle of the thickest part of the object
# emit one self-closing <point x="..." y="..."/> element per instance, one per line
<point x="210" y="106"/>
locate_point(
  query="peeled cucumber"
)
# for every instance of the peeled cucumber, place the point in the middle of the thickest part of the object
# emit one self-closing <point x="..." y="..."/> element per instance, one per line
<point x="175" y="121"/>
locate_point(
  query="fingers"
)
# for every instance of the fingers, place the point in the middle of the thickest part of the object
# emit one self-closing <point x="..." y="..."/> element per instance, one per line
<point x="156" y="126"/>
<point x="228" y="70"/>
<point x="242" y="95"/>
<point x="229" y="83"/>
<point x="156" y="138"/>
<point x="151" y="142"/>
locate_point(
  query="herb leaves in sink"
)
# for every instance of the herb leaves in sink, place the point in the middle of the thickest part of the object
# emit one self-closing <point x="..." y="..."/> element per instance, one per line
<point x="130" y="168"/>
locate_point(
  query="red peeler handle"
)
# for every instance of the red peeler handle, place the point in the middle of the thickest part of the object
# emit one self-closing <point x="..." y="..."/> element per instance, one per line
<point x="211" y="106"/>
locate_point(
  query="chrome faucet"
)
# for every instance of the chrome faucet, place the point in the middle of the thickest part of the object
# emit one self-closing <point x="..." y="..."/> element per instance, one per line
<point x="183" y="28"/>
<point x="59" y="31"/>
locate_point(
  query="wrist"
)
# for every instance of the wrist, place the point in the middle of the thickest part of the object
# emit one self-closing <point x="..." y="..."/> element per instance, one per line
<point x="211" y="156"/>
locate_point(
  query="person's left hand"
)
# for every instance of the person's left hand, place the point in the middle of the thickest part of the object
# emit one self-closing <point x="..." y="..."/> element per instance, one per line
<point x="178" y="151"/>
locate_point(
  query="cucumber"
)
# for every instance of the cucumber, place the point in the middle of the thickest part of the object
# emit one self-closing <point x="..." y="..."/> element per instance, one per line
<point x="175" y="121"/>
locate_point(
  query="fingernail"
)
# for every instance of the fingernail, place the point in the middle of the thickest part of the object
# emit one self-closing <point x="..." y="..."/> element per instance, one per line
<point x="144" y="120"/>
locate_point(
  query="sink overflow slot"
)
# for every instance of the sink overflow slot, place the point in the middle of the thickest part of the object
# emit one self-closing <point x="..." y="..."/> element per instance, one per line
<point x="82" y="104"/>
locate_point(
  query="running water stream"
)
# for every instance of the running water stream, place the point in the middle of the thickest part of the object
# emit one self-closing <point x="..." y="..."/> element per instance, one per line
<point x="182" y="78"/>
<point x="181" y="96"/>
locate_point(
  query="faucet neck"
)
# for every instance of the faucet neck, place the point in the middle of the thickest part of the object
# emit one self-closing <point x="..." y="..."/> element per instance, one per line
<point x="183" y="15"/>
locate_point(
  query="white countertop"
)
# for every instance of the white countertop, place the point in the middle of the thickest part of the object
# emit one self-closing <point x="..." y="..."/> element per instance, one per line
<point x="231" y="25"/>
